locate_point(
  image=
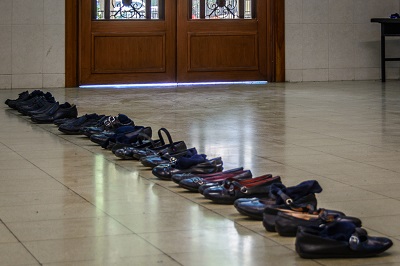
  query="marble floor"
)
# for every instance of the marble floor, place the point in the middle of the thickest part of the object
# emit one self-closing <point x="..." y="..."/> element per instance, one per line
<point x="66" y="201"/>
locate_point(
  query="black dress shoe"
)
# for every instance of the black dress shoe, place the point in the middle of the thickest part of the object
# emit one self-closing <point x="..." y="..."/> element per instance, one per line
<point x="26" y="100"/>
<point x="232" y="190"/>
<point x="338" y="240"/>
<point x="73" y="127"/>
<point x="21" y="97"/>
<point x="39" y="104"/>
<point x="300" y="197"/>
<point x="47" y="105"/>
<point x="194" y="165"/>
<point x="65" y="110"/>
<point x="287" y="221"/>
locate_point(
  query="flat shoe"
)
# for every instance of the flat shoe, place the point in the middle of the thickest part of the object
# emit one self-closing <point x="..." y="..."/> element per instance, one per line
<point x="300" y="197"/>
<point x="288" y="221"/>
<point x="232" y="189"/>
<point x="338" y="240"/>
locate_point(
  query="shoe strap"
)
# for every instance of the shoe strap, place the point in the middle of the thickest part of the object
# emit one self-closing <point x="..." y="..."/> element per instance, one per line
<point x="143" y="136"/>
<point x="110" y="122"/>
<point x="305" y="207"/>
<point x="166" y="132"/>
<point x="258" y="187"/>
<point x="113" y="122"/>
<point x="359" y="236"/>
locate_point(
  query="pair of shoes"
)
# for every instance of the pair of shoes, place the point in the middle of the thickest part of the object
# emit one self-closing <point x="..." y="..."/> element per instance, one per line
<point x="154" y="148"/>
<point x="166" y="156"/>
<point x="32" y="99"/>
<point x="101" y="138"/>
<point x="138" y="134"/>
<point x="199" y="182"/>
<point x="65" y="110"/>
<point x="39" y="105"/>
<point x="197" y="164"/>
<point x="73" y="126"/>
<point x="338" y="239"/>
<point x="44" y="109"/>
<point x="108" y="124"/>
<point x="219" y="176"/>
<point x="300" y="198"/>
<point x="212" y="182"/>
<point x="287" y="221"/>
<point x="21" y="97"/>
<point x="126" y="151"/>
<point x="233" y="189"/>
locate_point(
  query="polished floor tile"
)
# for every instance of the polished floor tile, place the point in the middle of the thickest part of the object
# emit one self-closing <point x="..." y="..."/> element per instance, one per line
<point x="66" y="201"/>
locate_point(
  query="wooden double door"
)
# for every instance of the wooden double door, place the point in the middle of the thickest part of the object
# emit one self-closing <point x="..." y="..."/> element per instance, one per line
<point x="175" y="41"/>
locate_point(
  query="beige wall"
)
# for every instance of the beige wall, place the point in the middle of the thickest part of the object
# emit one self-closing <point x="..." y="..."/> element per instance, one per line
<point x="335" y="40"/>
<point x="32" y="43"/>
<point x="325" y="40"/>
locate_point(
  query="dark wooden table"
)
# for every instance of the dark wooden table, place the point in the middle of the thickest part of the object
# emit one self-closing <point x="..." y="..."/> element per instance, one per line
<point x="389" y="27"/>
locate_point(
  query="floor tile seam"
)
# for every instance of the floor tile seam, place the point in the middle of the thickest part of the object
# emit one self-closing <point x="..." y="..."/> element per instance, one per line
<point x="20" y="242"/>
<point x="314" y="148"/>
<point x="88" y="261"/>
<point x="83" y="237"/>
<point x="266" y="263"/>
<point x="62" y="238"/>
<point x="376" y="193"/>
<point x="340" y="138"/>
<point x="364" y="162"/>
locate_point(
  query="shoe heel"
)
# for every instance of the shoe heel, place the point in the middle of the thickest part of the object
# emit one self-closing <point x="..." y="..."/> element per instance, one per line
<point x="269" y="222"/>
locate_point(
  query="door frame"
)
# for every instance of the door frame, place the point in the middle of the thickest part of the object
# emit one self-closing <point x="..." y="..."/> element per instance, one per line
<point x="275" y="40"/>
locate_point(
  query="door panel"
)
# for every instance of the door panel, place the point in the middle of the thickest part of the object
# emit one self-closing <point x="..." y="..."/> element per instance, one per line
<point x="216" y="43"/>
<point x="139" y="49"/>
<point x="208" y="52"/>
<point x="146" y="53"/>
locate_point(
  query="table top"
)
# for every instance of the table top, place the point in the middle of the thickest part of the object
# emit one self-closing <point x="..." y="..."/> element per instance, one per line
<point x="385" y="20"/>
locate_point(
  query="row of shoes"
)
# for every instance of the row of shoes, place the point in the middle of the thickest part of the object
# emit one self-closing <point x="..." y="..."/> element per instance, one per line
<point x="42" y="107"/>
<point x="289" y="211"/>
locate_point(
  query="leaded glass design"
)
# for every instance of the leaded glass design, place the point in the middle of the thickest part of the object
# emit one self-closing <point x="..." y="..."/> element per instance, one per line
<point x="127" y="9"/>
<point x="222" y="9"/>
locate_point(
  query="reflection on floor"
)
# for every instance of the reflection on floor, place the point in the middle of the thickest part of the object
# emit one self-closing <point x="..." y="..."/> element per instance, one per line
<point x="65" y="200"/>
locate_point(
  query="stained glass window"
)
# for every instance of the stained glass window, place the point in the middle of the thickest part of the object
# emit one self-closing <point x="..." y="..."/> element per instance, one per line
<point x="126" y="9"/>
